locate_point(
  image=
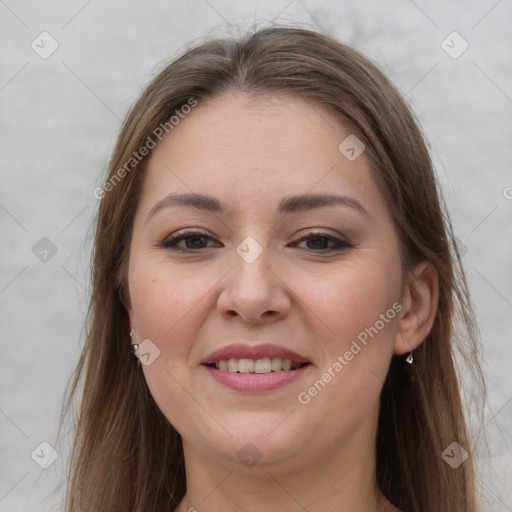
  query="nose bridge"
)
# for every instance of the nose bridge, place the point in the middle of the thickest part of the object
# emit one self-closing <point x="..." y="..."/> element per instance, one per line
<point x="251" y="264"/>
<point x="252" y="289"/>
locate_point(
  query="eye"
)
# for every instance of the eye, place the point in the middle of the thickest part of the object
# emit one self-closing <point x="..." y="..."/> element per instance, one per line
<point x="193" y="240"/>
<point x="320" y="240"/>
<point x="197" y="240"/>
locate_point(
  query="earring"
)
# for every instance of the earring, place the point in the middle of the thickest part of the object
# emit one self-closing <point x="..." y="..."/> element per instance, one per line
<point x="410" y="358"/>
<point x="135" y="347"/>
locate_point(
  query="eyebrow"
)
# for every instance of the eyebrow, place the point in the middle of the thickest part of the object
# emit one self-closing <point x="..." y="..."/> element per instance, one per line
<point x="287" y="205"/>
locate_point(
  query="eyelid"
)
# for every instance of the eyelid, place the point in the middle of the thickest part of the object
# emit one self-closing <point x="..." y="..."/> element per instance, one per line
<point x="188" y="231"/>
<point x="339" y="240"/>
<point x="185" y="233"/>
<point x="323" y="232"/>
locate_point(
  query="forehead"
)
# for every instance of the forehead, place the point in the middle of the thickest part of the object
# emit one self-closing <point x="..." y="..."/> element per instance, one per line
<point x="242" y="128"/>
<point x="250" y="147"/>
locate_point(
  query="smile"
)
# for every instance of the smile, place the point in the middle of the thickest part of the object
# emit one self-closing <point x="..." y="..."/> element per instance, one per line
<point x="264" y="365"/>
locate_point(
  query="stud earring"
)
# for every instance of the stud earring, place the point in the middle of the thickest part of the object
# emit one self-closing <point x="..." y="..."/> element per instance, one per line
<point x="410" y="358"/>
<point x="135" y="347"/>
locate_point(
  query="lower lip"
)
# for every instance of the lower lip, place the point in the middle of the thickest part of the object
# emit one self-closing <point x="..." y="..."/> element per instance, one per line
<point x="255" y="382"/>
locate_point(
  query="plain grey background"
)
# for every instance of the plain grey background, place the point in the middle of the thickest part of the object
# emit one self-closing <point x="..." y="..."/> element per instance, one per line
<point x="60" y="113"/>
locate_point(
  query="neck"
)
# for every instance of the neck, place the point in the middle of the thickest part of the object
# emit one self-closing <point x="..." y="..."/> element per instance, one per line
<point x="341" y="480"/>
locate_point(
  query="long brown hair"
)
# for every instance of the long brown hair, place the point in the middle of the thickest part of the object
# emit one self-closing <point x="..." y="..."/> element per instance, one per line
<point x="126" y="456"/>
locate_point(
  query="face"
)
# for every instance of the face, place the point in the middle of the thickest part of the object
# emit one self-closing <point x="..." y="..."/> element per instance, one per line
<point x="264" y="278"/>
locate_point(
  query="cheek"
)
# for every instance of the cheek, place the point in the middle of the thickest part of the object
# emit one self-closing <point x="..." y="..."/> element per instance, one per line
<point x="363" y="313"/>
<point x="351" y="298"/>
<point x="169" y="311"/>
<point x="359" y="310"/>
<point x="162" y="296"/>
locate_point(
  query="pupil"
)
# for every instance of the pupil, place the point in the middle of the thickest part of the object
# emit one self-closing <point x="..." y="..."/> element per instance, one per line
<point x="194" y="238"/>
<point x="318" y="238"/>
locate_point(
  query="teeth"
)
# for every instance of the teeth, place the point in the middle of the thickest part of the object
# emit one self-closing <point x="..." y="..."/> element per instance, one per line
<point x="262" y="365"/>
<point x="265" y="365"/>
<point x="245" y="365"/>
<point x="276" y="364"/>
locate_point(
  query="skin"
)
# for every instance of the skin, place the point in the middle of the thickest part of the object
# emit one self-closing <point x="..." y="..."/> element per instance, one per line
<point x="249" y="153"/>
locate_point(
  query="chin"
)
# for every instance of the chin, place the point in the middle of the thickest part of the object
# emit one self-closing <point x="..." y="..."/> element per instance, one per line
<point x="257" y="440"/>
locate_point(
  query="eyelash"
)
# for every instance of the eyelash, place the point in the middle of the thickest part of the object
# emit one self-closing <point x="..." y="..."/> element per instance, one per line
<point x="171" y="243"/>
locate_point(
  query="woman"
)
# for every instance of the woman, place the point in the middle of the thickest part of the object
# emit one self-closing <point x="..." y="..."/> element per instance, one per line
<point x="272" y="246"/>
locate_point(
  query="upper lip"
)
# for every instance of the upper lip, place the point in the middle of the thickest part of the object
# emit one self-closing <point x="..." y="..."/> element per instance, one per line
<point x="241" y="351"/>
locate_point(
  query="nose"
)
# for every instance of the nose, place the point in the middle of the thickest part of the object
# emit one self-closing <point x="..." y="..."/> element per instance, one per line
<point x="254" y="292"/>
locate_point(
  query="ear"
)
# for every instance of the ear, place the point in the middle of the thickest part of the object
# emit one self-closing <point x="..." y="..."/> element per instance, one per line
<point x="131" y="316"/>
<point x="133" y="323"/>
<point x="126" y="302"/>
<point x="133" y="328"/>
<point x="419" y="304"/>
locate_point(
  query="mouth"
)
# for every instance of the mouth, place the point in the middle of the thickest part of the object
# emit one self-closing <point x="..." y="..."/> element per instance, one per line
<point x="262" y="358"/>
<point x="260" y="366"/>
<point x="255" y="368"/>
